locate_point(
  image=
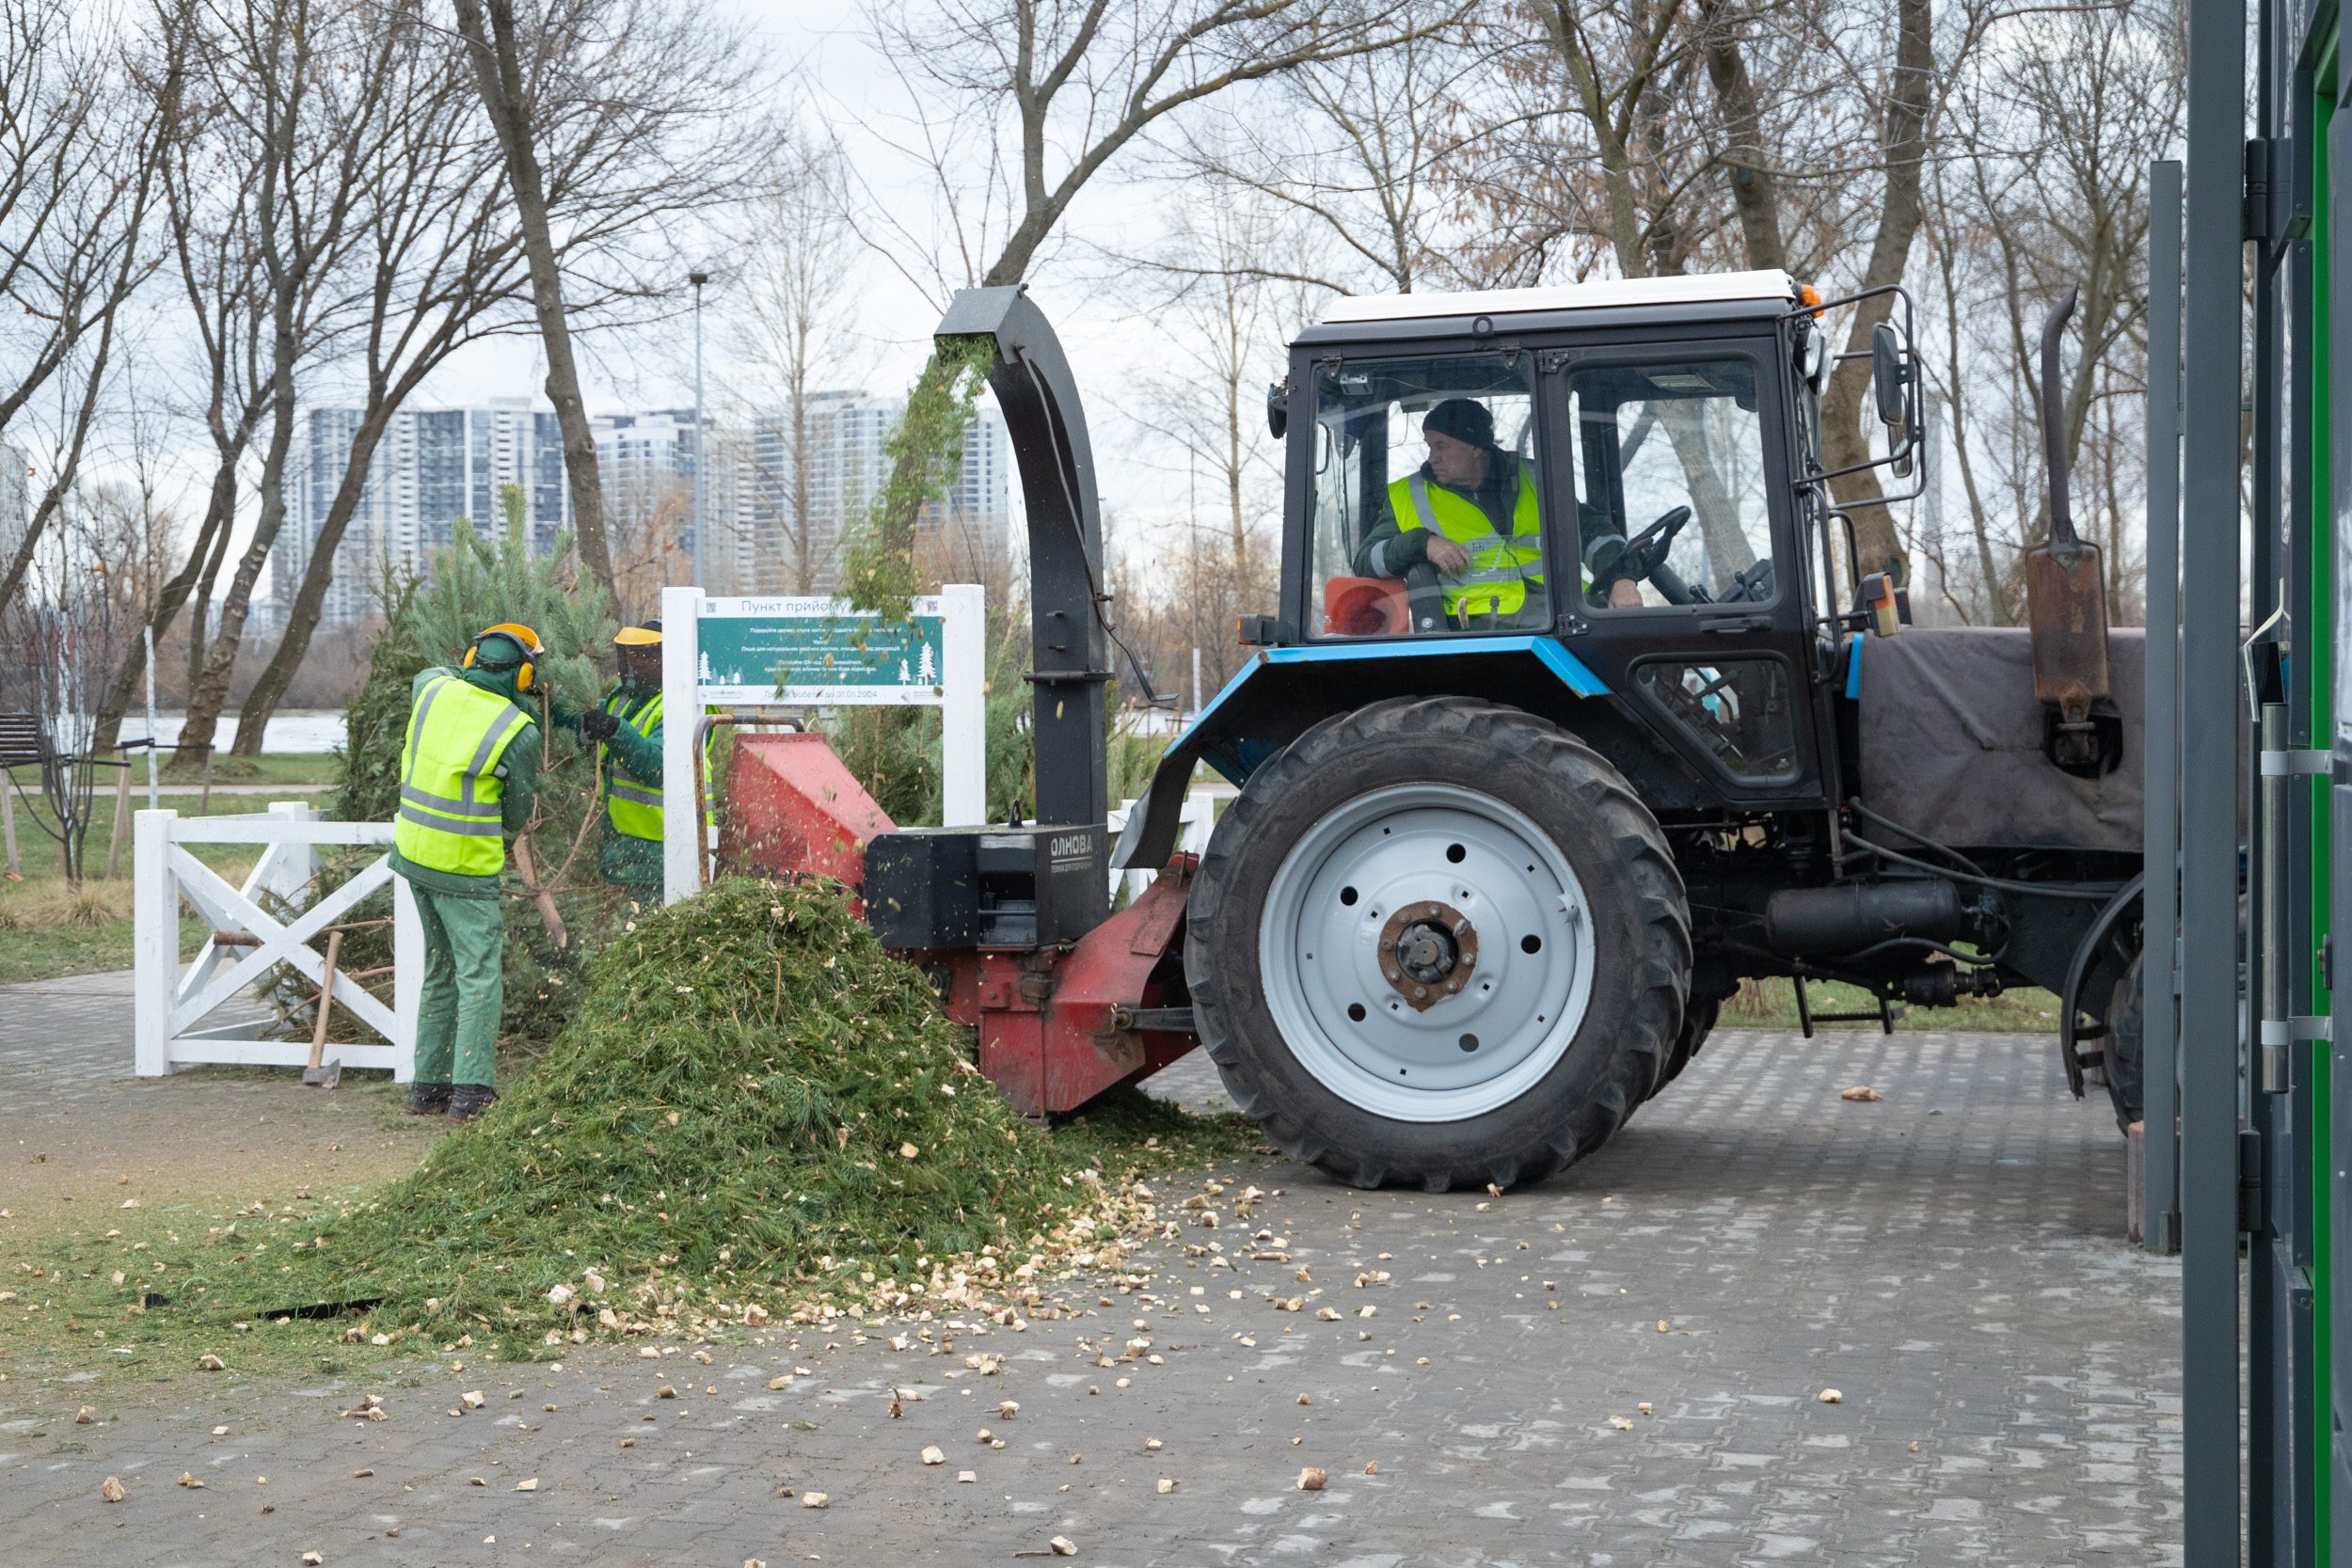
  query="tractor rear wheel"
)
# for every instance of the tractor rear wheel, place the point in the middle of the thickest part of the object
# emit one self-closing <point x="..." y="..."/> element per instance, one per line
<point x="2125" y="1049"/>
<point x="1438" y="942"/>
<point x="1698" y="1022"/>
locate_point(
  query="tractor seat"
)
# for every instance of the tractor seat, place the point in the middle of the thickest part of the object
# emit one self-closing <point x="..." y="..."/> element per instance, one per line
<point x="1365" y="606"/>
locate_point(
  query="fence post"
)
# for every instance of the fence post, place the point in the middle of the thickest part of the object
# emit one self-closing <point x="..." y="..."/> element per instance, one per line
<point x="7" y="819"/>
<point x="155" y="952"/>
<point x="963" y="706"/>
<point x="294" y="868"/>
<point x="123" y="814"/>
<point x="683" y="849"/>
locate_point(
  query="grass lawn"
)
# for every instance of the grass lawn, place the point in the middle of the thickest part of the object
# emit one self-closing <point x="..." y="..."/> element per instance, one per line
<point x="309" y="767"/>
<point x="1772" y="1004"/>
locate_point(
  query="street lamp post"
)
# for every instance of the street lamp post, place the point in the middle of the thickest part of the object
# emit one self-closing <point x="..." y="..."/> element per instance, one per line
<point x="702" y="438"/>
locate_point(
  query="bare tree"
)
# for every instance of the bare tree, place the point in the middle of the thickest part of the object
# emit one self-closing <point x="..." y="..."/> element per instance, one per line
<point x="1225" y="322"/>
<point x="84" y="118"/>
<point x="670" y="103"/>
<point x="2044" y="188"/>
<point x="64" y="631"/>
<point x="794" y="296"/>
<point x="209" y="180"/>
<point x="1018" y="104"/>
<point x="305" y="93"/>
<point x="1356" y="148"/>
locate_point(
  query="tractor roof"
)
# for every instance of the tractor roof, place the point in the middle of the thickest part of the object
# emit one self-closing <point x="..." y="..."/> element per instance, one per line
<point x="1706" y="295"/>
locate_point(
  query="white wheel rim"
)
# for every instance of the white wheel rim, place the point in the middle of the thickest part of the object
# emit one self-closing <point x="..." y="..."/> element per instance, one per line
<point x="1523" y="966"/>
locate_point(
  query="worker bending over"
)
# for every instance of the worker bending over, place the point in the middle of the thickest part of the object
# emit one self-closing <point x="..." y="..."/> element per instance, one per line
<point x="628" y="781"/>
<point x="467" y="771"/>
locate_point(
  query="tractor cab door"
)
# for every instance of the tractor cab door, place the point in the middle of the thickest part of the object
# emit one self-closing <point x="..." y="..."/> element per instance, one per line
<point x="1675" y="461"/>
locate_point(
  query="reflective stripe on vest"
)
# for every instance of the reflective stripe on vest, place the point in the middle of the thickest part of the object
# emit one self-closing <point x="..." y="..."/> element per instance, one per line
<point x="1496" y="580"/>
<point x="632" y="809"/>
<point x="449" y="792"/>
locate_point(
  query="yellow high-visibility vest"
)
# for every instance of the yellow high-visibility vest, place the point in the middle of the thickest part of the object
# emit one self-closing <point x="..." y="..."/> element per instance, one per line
<point x="633" y="808"/>
<point x="450" y="788"/>
<point x="1501" y="567"/>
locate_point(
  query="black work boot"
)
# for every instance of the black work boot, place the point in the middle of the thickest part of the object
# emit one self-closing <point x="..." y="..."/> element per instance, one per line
<point x="427" y="1099"/>
<point x="468" y="1101"/>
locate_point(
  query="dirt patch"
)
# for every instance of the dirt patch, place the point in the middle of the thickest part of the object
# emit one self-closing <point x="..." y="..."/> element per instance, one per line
<point x="196" y="1142"/>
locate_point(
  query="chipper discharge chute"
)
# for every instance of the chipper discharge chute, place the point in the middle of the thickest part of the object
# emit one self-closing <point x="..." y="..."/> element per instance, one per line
<point x="1555" y="733"/>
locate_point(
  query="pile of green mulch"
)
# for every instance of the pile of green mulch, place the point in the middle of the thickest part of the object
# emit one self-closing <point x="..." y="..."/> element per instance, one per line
<point x="752" y="1110"/>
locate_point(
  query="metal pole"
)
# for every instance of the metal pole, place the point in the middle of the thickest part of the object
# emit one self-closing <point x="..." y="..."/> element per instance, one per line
<point x="2160" y="1221"/>
<point x="702" y="445"/>
<point x="2213" y="336"/>
<point x="153" y="802"/>
<point x="1196" y="683"/>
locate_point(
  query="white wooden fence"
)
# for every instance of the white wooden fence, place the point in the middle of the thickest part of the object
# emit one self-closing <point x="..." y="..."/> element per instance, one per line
<point x="173" y="1003"/>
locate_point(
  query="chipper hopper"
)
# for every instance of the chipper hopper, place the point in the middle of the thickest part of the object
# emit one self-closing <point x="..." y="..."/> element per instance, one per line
<point x="1574" y="711"/>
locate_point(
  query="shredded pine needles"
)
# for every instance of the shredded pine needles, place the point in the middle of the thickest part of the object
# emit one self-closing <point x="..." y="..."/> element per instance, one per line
<point x="753" y="1110"/>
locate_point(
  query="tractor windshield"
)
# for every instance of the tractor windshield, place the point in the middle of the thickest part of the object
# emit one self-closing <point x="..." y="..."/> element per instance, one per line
<point x="1424" y="498"/>
<point x="1670" y="493"/>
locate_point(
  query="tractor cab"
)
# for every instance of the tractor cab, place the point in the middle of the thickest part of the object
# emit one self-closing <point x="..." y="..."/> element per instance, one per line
<point x="1626" y="470"/>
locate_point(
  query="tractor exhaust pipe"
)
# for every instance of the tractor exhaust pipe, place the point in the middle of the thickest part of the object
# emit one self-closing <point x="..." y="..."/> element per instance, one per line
<point x="2066" y="596"/>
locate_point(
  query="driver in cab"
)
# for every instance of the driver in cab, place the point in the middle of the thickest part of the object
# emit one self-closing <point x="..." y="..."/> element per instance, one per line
<point x="1470" y="513"/>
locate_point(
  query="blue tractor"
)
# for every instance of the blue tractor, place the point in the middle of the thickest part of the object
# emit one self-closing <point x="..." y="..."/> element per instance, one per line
<point x="1576" y="711"/>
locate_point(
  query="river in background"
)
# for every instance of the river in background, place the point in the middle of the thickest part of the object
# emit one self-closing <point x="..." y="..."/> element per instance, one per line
<point x="312" y="730"/>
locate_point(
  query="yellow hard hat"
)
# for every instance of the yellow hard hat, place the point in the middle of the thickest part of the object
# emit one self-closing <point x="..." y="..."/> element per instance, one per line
<point x="638" y="637"/>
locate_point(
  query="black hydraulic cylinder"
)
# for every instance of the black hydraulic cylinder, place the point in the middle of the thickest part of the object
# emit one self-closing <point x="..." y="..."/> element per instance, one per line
<point x="1846" y="919"/>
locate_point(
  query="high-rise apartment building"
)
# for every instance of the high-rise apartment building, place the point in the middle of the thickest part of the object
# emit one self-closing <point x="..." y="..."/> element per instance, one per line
<point x="435" y="466"/>
<point x="794" y="541"/>
<point x="432" y="467"/>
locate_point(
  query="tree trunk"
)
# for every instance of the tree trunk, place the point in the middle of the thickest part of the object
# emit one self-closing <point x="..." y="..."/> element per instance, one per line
<point x="1844" y="441"/>
<point x="1754" y="189"/>
<point x="302" y="618"/>
<point x="803" y="524"/>
<point x="498" y="73"/>
<point x="173" y="596"/>
<point x="209" y="693"/>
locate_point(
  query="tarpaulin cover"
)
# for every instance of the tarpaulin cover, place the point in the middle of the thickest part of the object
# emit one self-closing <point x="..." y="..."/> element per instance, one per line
<point x="1952" y="743"/>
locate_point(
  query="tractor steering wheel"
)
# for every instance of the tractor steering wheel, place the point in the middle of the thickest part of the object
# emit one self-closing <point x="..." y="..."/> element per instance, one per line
<point x="1642" y="555"/>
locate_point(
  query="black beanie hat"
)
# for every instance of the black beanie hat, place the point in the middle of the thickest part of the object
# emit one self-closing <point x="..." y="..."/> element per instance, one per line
<point x="1463" y="419"/>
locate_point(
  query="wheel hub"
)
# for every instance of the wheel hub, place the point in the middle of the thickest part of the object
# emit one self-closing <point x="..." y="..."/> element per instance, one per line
<point x="1427" y="952"/>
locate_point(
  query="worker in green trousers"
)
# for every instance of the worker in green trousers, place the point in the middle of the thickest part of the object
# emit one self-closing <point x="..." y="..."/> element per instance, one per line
<point x="469" y="767"/>
<point x="628" y="725"/>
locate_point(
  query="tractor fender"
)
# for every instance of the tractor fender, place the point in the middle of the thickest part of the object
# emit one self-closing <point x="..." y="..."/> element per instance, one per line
<point x="1283" y="693"/>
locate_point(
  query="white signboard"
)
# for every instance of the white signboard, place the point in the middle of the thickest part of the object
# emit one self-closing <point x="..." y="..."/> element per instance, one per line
<point x="740" y="652"/>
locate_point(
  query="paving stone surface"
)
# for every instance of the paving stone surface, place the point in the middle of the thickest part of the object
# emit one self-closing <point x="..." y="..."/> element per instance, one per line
<point x="1620" y="1366"/>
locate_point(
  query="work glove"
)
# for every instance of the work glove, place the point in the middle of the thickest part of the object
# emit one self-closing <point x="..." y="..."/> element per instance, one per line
<point x="596" y="724"/>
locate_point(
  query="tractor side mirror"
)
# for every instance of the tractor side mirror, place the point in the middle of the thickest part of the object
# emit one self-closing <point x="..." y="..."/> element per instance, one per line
<point x="1886" y="375"/>
<point x="1277" y="407"/>
<point x="1890" y="379"/>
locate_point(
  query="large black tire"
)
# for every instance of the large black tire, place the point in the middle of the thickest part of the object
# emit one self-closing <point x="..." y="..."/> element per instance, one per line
<point x="1699" y="1020"/>
<point x="1639" y="920"/>
<point x="2125" y="1056"/>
